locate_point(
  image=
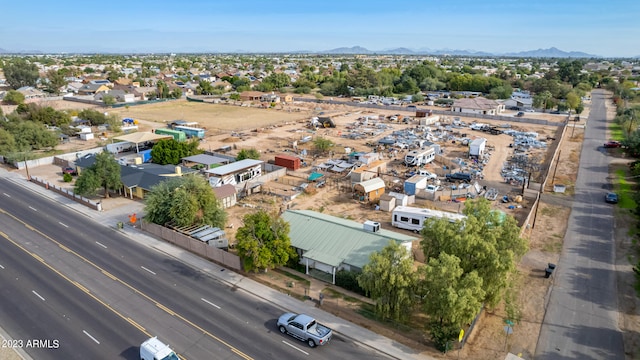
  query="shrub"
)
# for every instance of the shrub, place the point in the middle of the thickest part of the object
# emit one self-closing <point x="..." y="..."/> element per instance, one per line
<point x="349" y="280"/>
<point x="67" y="177"/>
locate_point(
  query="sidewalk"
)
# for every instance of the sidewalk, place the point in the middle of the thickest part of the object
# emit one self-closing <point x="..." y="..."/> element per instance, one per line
<point x="111" y="217"/>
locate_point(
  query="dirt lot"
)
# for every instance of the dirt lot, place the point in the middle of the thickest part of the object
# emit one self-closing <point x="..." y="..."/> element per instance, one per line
<point x="273" y="130"/>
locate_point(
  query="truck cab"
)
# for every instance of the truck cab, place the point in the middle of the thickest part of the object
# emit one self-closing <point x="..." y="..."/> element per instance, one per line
<point x="154" y="349"/>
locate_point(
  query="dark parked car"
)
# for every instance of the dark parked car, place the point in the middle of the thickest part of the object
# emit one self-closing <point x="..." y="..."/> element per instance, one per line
<point x="611" y="198"/>
<point x="69" y="170"/>
<point x="520" y="114"/>
<point x="612" y="144"/>
<point x="458" y="177"/>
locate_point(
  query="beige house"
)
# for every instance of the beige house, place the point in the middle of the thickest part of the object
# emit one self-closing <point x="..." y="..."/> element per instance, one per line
<point x="478" y="105"/>
<point x="30" y="92"/>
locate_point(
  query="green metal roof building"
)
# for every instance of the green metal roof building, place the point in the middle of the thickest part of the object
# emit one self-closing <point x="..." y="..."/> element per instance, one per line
<point x="328" y="243"/>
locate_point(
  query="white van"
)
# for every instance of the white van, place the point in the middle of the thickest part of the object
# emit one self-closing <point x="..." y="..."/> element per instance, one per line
<point x="154" y="349"/>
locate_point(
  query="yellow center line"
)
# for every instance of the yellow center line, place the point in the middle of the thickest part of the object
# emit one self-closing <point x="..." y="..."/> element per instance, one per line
<point x="113" y="277"/>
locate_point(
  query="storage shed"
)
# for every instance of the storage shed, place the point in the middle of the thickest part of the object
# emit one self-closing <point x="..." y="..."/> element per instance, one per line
<point x="387" y="202"/>
<point x="476" y="148"/>
<point x="288" y="161"/>
<point x="369" y="190"/>
<point x="414" y="183"/>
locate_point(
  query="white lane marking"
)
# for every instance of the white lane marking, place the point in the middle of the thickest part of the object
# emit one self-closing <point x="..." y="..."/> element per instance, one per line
<point x="32" y="208"/>
<point x="144" y="268"/>
<point x="38" y="295"/>
<point x="7" y="195"/>
<point x="295" y="347"/>
<point x="65" y="225"/>
<point x="1" y="267"/>
<point x="210" y="303"/>
<point x="91" y="337"/>
<point x="104" y="246"/>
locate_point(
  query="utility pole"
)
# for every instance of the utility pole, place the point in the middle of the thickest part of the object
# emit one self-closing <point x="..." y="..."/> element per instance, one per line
<point x="26" y="166"/>
<point x="553" y="179"/>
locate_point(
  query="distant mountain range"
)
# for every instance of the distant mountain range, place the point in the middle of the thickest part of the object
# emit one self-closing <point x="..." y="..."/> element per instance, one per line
<point x="540" y="53"/>
<point x="550" y="53"/>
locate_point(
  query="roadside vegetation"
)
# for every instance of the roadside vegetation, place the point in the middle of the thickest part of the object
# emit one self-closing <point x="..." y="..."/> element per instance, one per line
<point x="468" y="266"/>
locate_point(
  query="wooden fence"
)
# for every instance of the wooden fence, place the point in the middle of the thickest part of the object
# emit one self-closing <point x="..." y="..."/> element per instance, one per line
<point x="196" y="246"/>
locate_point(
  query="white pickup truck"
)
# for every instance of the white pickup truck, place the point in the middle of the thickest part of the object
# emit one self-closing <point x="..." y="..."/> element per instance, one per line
<point x="304" y="328"/>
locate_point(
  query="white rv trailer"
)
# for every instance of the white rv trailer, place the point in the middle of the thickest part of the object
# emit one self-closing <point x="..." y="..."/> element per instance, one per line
<point x="420" y="157"/>
<point x="412" y="218"/>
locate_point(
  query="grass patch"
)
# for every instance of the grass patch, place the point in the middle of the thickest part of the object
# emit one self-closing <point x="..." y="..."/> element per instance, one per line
<point x="616" y="132"/>
<point x="336" y="294"/>
<point x="553" y="246"/>
<point x="625" y="191"/>
<point x="549" y="211"/>
<point x="300" y="279"/>
<point x="368" y="311"/>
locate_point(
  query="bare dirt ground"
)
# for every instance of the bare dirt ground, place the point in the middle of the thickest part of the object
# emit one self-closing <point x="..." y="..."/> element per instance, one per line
<point x="272" y="132"/>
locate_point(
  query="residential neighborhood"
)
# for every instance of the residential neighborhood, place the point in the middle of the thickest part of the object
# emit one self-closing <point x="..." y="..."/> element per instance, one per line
<point x="334" y="171"/>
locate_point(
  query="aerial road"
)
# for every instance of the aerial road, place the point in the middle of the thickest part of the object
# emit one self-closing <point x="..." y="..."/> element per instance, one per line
<point x="198" y="315"/>
<point x="581" y="321"/>
<point x="53" y="319"/>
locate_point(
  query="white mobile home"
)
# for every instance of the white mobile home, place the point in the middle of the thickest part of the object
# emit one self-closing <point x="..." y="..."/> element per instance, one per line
<point x="235" y="173"/>
<point x="420" y="157"/>
<point x="411" y="218"/>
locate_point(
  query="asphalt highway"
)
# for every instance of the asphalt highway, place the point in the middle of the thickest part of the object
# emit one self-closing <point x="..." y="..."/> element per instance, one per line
<point x="201" y="317"/>
<point x="51" y="318"/>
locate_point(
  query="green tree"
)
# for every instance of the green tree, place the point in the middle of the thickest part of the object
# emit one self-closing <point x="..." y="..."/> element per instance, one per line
<point x="487" y="242"/>
<point x="13" y="97"/>
<point x="108" y="100"/>
<point x="322" y="144"/>
<point x="542" y="100"/>
<point x="417" y="98"/>
<point x="104" y="173"/>
<point x="390" y="280"/>
<point x="205" y="88"/>
<point x="21" y="73"/>
<point x="163" y="90"/>
<point x="114" y="75"/>
<point x="263" y="241"/>
<point x="248" y="154"/>
<point x="56" y="80"/>
<point x="30" y="135"/>
<point x="573" y="100"/>
<point x="171" y="151"/>
<point x="46" y="115"/>
<point x="7" y="142"/>
<point x="184" y="201"/>
<point x="176" y="93"/>
<point x="95" y="117"/>
<point x="273" y="82"/>
<point x="87" y="183"/>
<point x="501" y="92"/>
<point x="451" y="297"/>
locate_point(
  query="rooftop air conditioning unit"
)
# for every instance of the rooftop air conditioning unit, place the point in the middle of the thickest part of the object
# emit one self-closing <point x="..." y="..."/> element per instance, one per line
<point x="372" y="226"/>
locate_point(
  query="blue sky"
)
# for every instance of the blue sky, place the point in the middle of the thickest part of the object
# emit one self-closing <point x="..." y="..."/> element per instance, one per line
<point x="607" y="28"/>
